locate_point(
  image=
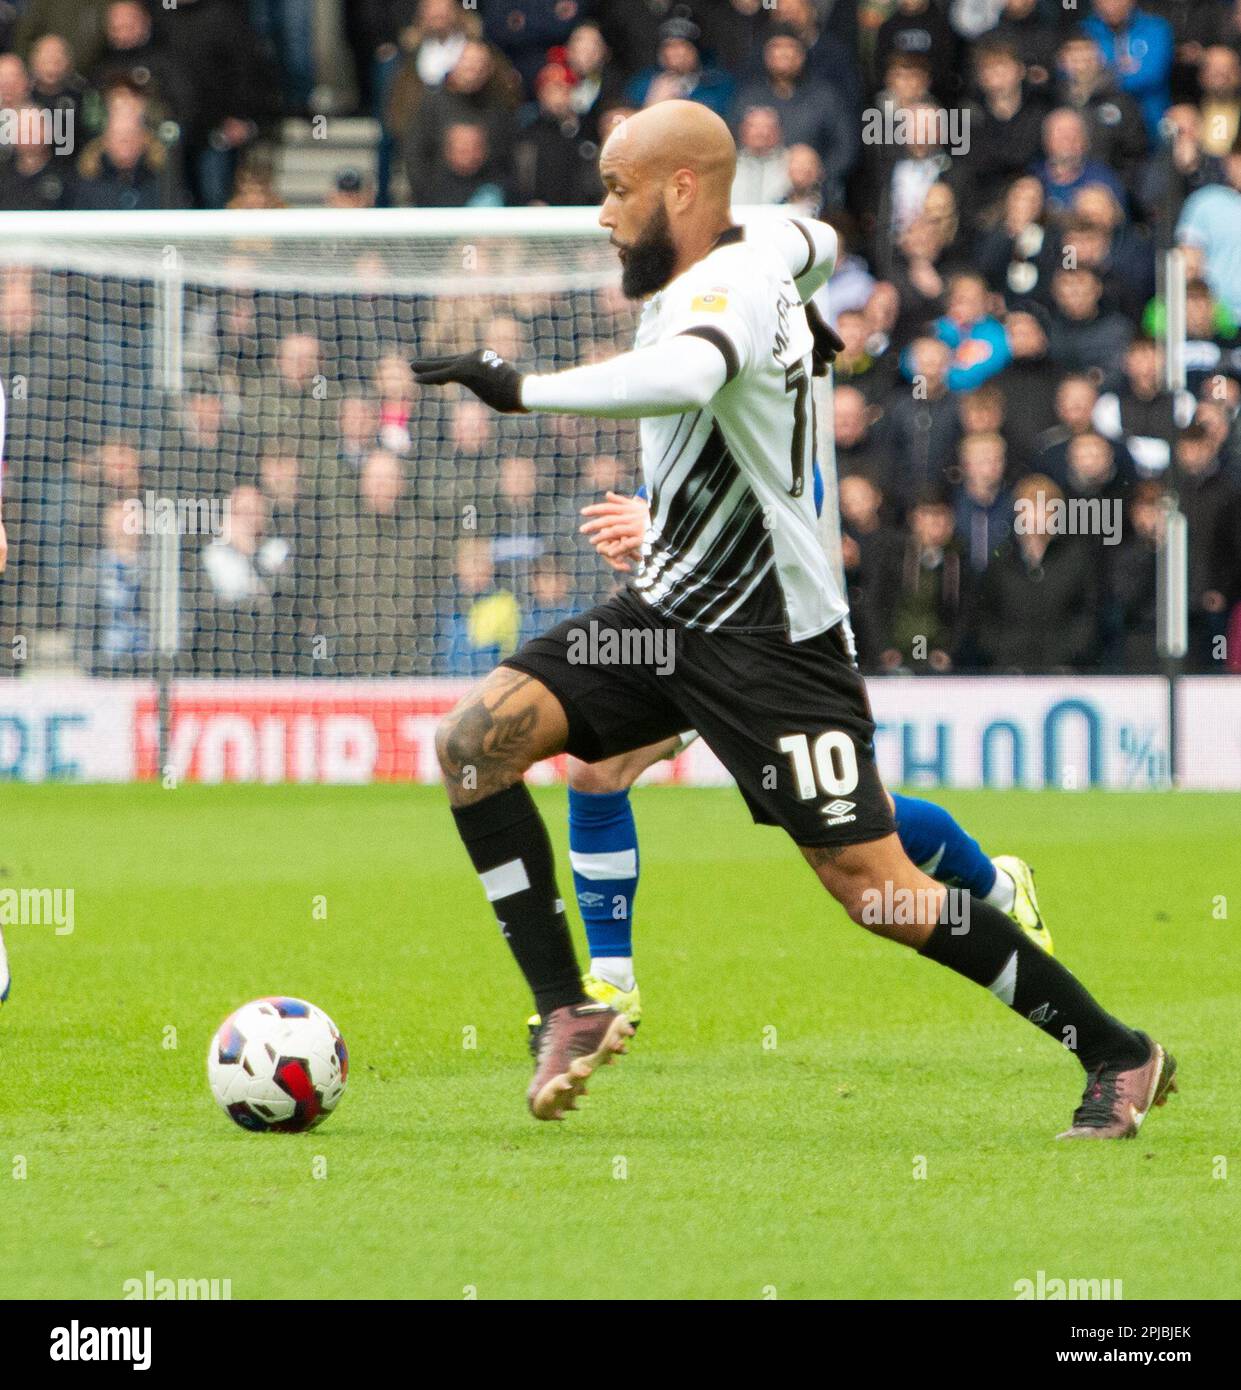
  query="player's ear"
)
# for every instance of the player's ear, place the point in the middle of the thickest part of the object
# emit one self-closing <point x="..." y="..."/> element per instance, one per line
<point x="684" y="189"/>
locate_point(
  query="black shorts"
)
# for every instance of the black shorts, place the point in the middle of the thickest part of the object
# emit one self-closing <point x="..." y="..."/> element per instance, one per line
<point x="789" y="720"/>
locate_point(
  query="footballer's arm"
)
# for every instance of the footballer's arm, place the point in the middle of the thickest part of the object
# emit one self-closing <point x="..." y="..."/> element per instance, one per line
<point x="682" y="372"/>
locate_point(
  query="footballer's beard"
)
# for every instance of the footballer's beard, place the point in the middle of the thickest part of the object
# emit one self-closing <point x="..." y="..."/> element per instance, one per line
<point x="648" y="264"/>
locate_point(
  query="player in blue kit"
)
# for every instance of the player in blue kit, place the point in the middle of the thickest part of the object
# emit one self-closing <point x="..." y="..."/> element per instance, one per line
<point x="603" y="851"/>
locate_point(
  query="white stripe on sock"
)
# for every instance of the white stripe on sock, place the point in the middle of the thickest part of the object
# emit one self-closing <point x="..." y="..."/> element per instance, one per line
<point x="1003" y="892"/>
<point x="616" y="970"/>
<point x="617" y="863"/>
<point x="505" y="880"/>
<point x="1004" y="986"/>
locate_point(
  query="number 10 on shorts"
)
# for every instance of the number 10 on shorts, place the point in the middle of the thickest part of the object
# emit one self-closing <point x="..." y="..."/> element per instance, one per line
<point x="831" y="760"/>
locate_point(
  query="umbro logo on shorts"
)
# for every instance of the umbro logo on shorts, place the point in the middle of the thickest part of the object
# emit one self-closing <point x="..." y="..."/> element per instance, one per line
<point x="839" y="812"/>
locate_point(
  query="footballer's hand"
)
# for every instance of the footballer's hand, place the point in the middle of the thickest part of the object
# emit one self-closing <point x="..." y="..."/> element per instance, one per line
<point x="827" y="342"/>
<point x="616" y="528"/>
<point x="485" y="372"/>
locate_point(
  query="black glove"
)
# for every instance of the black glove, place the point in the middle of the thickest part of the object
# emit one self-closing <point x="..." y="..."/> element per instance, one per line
<point x="486" y="373"/>
<point x="827" y="342"/>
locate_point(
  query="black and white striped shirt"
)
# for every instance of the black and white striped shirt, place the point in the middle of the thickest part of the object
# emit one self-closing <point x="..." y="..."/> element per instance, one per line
<point x="733" y="541"/>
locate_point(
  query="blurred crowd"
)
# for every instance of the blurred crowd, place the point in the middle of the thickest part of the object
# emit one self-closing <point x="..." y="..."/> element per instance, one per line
<point x="334" y="519"/>
<point x="1005" y="177"/>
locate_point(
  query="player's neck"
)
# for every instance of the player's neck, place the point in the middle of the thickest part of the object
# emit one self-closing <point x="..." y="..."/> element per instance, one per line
<point x="700" y="244"/>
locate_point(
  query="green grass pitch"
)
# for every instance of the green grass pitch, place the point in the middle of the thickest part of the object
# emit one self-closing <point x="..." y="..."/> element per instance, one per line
<point x="791" y="1080"/>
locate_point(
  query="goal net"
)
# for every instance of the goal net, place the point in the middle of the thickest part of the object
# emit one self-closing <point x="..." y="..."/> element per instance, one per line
<point x="245" y="379"/>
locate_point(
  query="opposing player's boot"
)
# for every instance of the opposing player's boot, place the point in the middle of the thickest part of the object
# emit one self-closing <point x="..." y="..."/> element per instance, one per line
<point x="624" y="1001"/>
<point x="5" y="978"/>
<point x="1025" y="901"/>
<point x="573" y="1043"/>
<point x="1116" y="1099"/>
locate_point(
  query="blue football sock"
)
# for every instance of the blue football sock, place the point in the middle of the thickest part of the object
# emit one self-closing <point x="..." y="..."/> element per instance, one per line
<point x="603" y="849"/>
<point x="938" y="845"/>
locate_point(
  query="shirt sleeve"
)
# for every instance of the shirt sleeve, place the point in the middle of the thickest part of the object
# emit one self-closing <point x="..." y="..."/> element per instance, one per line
<point x="808" y="246"/>
<point x="674" y="375"/>
<point x="710" y="308"/>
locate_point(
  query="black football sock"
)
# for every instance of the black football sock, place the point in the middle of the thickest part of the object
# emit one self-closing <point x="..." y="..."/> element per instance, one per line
<point x="508" y="843"/>
<point x="994" y="952"/>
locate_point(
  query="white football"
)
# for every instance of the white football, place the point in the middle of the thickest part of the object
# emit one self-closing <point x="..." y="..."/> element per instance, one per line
<point x="278" y="1064"/>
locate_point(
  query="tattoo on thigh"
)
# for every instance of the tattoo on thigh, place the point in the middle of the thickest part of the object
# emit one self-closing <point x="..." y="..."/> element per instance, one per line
<point x="485" y="737"/>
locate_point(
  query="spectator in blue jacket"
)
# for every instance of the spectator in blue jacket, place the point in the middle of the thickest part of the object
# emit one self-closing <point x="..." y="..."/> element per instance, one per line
<point x="1067" y="166"/>
<point x="679" y="72"/>
<point x="978" y="342"/>
<point x="1139" y="49"/>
